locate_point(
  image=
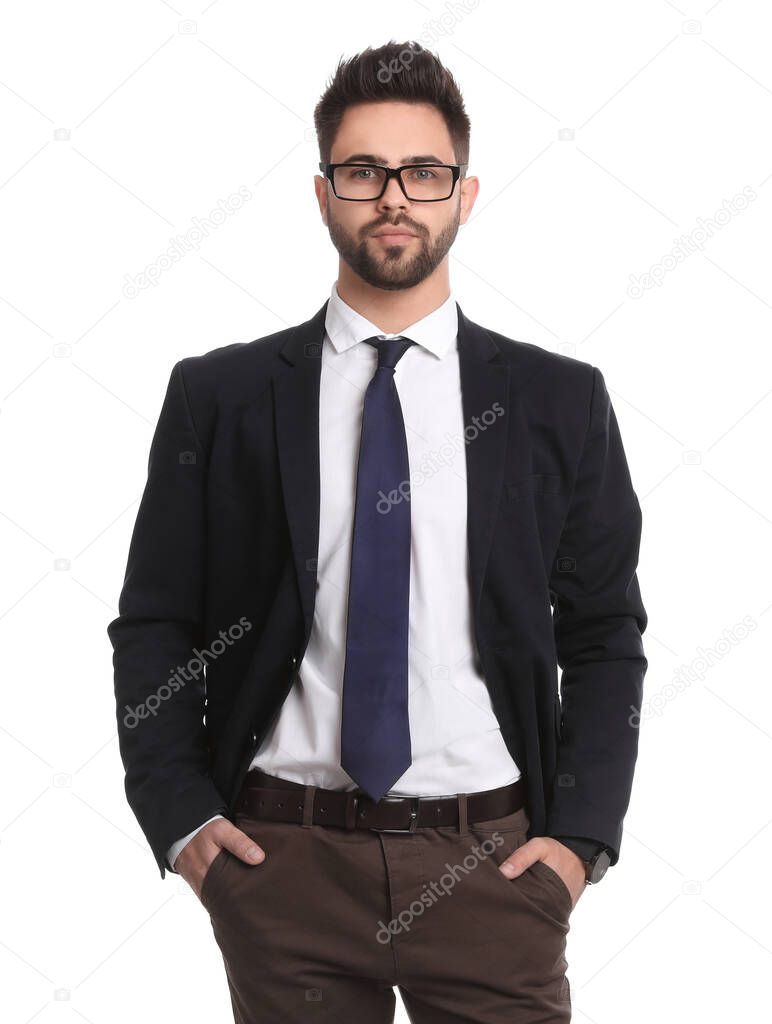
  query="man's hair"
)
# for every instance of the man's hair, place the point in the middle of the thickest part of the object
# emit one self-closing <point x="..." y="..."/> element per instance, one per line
<point x="403" y="72"/>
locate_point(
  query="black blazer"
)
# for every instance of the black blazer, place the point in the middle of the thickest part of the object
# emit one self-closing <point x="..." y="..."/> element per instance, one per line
<point x="227" y="532"/>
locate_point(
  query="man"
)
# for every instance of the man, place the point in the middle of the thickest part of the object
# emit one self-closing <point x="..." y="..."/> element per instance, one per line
<point x="365" y="545"/>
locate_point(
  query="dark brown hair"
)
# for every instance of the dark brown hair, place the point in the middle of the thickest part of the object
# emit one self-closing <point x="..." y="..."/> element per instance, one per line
<point x="404" y="72"/>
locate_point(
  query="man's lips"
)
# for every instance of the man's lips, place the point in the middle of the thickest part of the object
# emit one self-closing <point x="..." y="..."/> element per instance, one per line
<point x="395" y="235"/>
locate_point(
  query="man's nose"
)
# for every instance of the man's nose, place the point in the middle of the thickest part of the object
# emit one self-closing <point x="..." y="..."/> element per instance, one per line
<point x="393" y="196"/>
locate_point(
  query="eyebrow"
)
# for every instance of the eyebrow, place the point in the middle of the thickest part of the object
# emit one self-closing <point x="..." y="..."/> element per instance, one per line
<point x="374" y="158"/>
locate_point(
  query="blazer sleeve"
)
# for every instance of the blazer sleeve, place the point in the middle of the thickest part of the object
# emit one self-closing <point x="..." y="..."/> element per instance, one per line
<point x="599" y="620"/>
<point x="160" y="697"/>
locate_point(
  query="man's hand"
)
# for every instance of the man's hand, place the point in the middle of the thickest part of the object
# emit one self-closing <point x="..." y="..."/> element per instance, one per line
<point x="568" y="865"/>
<point x="195" y="858"/>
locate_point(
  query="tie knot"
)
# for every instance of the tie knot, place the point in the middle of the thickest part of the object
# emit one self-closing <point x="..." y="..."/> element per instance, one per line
<point x="390" y="350"/>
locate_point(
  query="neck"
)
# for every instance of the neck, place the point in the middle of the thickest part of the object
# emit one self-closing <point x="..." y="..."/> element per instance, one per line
<point x="393" y="311"/>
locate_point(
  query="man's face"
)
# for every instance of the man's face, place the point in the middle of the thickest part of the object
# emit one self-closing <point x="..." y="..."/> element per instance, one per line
<point x="391" y="134"/>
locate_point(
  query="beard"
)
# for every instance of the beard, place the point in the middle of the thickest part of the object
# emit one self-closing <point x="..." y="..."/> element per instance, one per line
<point x="394" y="270"/>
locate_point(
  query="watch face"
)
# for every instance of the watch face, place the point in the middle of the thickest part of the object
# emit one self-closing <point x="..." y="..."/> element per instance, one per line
<point x="600" y="865"/>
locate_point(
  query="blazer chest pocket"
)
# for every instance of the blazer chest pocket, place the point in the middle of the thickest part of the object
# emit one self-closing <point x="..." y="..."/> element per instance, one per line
<point x="534" y="483"/>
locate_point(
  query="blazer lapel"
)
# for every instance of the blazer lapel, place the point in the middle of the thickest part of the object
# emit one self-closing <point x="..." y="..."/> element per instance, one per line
<point x="296" y="401"/>
<point x="485" y="393"/>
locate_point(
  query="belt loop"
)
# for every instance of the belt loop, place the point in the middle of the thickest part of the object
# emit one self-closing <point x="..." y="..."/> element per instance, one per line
<point x="351" y="809"/>
<point x="463" y="828"/>
<point x="308" y="807"/>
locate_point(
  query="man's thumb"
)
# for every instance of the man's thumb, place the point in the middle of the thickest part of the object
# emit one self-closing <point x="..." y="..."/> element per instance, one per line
<point x="243" y="846"/>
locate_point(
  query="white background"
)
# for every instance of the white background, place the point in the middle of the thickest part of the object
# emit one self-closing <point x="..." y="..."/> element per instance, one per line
<point x="602" y="133"/>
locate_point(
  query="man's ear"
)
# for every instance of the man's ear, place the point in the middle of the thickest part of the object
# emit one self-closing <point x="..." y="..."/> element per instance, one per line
<point x="470" y="188"/>
<point x="320" y="187"/>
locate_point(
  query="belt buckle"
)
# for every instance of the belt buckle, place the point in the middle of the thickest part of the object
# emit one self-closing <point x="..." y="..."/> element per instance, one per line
<point x="413" y="815"/>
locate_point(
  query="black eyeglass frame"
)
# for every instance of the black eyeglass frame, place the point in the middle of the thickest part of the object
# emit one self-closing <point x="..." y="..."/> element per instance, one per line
<point x="391" y="172"/>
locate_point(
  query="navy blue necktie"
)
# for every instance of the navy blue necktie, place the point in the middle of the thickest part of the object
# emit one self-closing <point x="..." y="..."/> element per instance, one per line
<point x="375" y="730"/>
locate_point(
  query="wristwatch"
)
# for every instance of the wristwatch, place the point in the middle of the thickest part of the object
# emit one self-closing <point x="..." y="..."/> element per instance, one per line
<point x="596" y="856"/>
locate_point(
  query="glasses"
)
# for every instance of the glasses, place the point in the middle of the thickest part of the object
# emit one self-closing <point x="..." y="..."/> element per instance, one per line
<point x="420" y="183"/>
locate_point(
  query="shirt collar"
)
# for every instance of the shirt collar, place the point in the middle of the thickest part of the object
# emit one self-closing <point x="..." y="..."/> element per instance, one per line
<point x="436" y="332"/>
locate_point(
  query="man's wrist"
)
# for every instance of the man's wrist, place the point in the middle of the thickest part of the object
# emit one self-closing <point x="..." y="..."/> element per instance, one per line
<point x="582" y="847"/>
<point x="595" y="855"/>
<point x="177" y="847"/>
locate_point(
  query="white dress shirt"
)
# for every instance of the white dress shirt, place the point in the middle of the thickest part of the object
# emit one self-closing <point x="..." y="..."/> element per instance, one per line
<point x="457" y="746"/>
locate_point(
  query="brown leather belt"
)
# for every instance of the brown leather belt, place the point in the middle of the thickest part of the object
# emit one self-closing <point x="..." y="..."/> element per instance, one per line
<point x="277" y="799"/>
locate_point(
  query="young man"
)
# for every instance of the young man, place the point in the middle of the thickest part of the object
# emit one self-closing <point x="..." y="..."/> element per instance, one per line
<point x="379" y="533"/>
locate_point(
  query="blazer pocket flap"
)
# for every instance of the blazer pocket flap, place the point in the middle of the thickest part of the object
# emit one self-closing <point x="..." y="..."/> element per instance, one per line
<point x="534" y="483"/>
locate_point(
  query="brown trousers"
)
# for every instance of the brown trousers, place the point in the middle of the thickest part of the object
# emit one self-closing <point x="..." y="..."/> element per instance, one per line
<point x="325" y="927"/>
